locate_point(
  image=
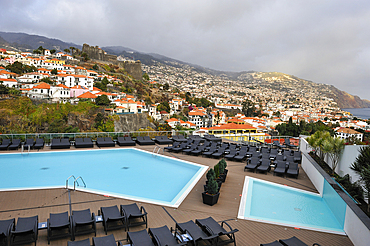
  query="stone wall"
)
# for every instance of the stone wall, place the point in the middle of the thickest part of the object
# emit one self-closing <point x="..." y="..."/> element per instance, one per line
<point x="132" y="122"/>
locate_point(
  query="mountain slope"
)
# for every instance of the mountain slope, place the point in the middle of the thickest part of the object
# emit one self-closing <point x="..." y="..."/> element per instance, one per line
<point x="274" y="80"/>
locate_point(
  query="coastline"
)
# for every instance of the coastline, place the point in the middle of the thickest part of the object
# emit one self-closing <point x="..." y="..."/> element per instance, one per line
<point x="362" y="113"/>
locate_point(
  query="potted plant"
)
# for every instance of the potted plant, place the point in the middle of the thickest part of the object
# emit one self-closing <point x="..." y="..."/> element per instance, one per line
<point x="222" y="168"/>
<point x="219" y="179"/>
<point x="210" y="197"/>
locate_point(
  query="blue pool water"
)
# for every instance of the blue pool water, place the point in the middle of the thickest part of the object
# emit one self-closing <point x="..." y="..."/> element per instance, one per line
<point x="127" y="173"/>
<point x="272" y="203"/>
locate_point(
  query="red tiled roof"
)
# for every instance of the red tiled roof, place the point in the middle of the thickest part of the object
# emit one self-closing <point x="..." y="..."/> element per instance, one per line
<point x="87" y="95"/>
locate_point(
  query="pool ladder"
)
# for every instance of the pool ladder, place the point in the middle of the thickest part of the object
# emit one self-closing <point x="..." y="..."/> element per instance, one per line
<point x="22" y="149"/>
<point x="157" y="148"/>
<point x="75" y="181"/>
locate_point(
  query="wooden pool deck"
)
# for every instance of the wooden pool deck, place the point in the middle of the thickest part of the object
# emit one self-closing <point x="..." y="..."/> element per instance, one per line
<point x="14" y="204"/>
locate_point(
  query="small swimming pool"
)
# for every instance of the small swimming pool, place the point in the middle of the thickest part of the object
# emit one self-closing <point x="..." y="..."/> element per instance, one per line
<point x="126" y="173"/>
<point x="268" y="202"/>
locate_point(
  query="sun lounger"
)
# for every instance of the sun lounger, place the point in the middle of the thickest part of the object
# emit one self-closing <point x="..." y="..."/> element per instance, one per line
<point x="293" y="241"/>
<point x="265" y="166"/>
<point x="39" y="143"/>
<point x="241" y="155"/>
<point x="297" y="156"/>
<point x="63" y="143"/>
<point x="144" y="140"/>
<point x="83" y="222"/>
<point x="196" y="233"/>
<point x="253" y="163"/>
<point x="61" y="223"/>
<point x="16" y="143"/>
<point x="209" y="152"/>
<point x="140" y="238"/>
<point x="29" y="142"/>
<point x="105" y="142"/>
<point x="198" y="150"/>
<point x="210" y="226"/>
<point x="274" y="243"/>
<point x="287" y="143"/>
<point x="125" y="141"/>
<point x="182" y="146"/>
<point x="163" y="236"/>
<point x="6" y="226"/>
<point x="273" y="154"/>
<point x="196" y="137"/>
<point x="85" y="242"/>
<point x="193" y="147"/>
<point x="219" y="153"/>
<point x="134" y="216"/>
<point x="5" y="144"/>
<point x="231" y="154"/>
<point x="174" y="145"/>
<point x="179" y="138"/>
<point x="112" y="218"/>
<point x="26" y="231"/>
<point x="212" y="138"/>
<point x="278" y="145"/>
<point x="280" y="168"/>
<point x="293" y="169"/>
<point x="105" y="241"/>
<point x="162" y="140"/>
<point x="83" y="143"/>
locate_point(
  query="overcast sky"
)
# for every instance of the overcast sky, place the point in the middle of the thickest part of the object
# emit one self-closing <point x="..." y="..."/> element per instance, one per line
<point x="322" y="41"/>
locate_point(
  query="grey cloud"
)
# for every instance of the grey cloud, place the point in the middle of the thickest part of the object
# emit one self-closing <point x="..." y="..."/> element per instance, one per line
<point x="322" y="41"/>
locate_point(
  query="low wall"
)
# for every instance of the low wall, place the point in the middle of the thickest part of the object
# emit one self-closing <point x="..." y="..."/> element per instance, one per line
<point x="356" y="223"/>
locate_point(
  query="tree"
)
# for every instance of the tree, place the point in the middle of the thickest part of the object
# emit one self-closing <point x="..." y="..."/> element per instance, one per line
<point x="47" y="80"/>
<point x="145" y="76"/>
<point x="362" y="167"/>
<point x="333" y="147"/>
<point x="3" y="89"/>
<point x="67" y="50"/>
<point x="72" y="49"/>
<point x="53" y="51"/>
<point x="316" y="141"/>
<point x="164" y="106"/>
<point x="166" y="87"/>
<point x="85" y="56"/>
<point x="102" y="100"/>
<point x="248" y="108"/>
<point x="95" y="67"/>
<point x="54" y="71"/>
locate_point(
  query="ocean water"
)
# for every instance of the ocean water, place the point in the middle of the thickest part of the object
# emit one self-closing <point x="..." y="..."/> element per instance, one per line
<point x="363" y="113"/>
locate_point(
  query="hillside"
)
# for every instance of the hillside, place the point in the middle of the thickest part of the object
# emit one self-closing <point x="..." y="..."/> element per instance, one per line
<point x="273" y="80"/>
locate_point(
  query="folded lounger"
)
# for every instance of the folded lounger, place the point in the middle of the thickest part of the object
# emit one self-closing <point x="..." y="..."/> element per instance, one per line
<point x="163" y="236"/>
<point x="265" y="166"/>
<point x="59" y="226"/>
<point x="63" y="143"/>
<point x="6" y="226"/>
<point x="280" y="168"/>
<point x="112" y="218"/>
<point x="163" y="140"/>
<point x="83" y="222"/>
<point x="211" y="227"/>
<point x="125" y="141"/>
<point x="5" y="144"/>
<point x="105" y="142"/>
<point x="29" y="142"/>
<point x="39" y="143"/>
<point x="179" y="138"/>
<point x="293" y="169"/>
<point x="85" y="242"/>
<point x="16" y="143"/>
<point x="141" y="238"/>
<point x="293" y="241"/>
<point x="253" y="163"/>
<point x="26" y="231"/>
<point x="83" y="143"/>
<point x="105" y="241"/>
<point x="196" y="232"/>
<point x="134" y="216"/>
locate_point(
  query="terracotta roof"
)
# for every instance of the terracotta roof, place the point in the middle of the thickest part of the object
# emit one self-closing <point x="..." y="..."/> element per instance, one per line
<point x="42" y="85"/>
<point x="10" y="80"/>
<point x="193" y="113"/>
<point x="348" y="131"/>
<point x="63" y="86"/>
<point x="87" y="95"/>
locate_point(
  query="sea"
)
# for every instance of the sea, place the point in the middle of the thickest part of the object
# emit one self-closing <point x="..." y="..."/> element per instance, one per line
<point x="362" y="113"/>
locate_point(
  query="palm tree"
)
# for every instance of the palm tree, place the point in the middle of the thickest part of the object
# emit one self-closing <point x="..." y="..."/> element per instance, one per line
<point x="67" y="50"/>
<point x="362" y="167"/>
<point x="316" y="141"/>
<point x="72" y="49"/>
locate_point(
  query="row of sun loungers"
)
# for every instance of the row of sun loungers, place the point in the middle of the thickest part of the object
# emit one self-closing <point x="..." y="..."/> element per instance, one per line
<point x="81" y="222"/>
<point x="293" y="241"/>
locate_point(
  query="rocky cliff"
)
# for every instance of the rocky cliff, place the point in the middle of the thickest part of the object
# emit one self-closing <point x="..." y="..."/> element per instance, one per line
<point x="132" y="122"/>
<point x="345" y="100"/>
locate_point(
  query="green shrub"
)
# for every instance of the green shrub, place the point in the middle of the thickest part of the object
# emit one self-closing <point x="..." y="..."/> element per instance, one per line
<point x="212" y="187"/>
<point x="217" y="170"/>
<point x="222" y="165"/>
<point x="210" y="174"/>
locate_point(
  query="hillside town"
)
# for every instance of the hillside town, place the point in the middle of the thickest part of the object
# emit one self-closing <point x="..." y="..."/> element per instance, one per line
<point x="277" y="97"/>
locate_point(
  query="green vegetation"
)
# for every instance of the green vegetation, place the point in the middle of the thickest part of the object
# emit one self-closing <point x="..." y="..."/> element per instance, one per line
<point x="20" y="115"/>
<point x="304" y="128"/>
<point x="362" y="167"/>
<point x="248" y="108"/>
<point x="102" y="85"/>
<point x="102" y="100"/>
<point x="47" y="80"/>
<point x="20" y="68"/>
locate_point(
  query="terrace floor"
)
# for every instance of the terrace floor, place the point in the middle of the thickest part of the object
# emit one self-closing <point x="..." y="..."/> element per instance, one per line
<point x="14" y="204"/>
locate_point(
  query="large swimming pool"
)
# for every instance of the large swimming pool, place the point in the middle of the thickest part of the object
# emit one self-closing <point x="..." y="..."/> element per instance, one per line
<point x="278" y="204"/>
<point x="126" y="173"/>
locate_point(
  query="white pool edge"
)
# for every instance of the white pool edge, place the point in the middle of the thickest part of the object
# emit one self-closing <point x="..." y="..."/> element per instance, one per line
<point x="173" y="204"/>
<point x="243" y="201"/>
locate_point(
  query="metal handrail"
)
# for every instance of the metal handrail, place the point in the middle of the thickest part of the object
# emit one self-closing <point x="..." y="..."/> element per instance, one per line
<point x="74" y="183"/>
<point x="68" y="179"/>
